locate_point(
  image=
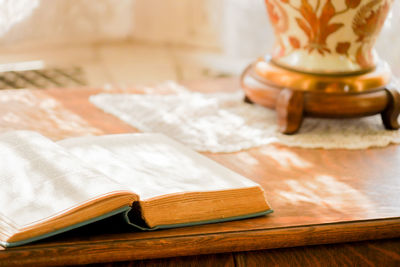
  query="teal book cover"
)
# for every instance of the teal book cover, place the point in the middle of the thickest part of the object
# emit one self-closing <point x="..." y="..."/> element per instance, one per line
<point x="134" y="221"/>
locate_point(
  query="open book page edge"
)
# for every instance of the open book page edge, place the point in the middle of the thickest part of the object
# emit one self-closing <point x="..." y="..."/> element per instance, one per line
<point x="177" y="225"/>
<point x="202" y="206"/>
<point x="41" y="180"/>
<point x="65" y="229"/>
<point x="77" y="214"/>
<point x="84" y="205"/>
<point x="170" y="195"/>
<point x="165" y="201"/>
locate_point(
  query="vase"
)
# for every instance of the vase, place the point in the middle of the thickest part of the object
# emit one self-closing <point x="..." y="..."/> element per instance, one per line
<point x="324" y="64"/>
<point x="327" y="36"/>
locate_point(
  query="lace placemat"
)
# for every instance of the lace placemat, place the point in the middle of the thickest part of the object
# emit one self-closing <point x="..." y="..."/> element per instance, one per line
<point x="222" y="122"/>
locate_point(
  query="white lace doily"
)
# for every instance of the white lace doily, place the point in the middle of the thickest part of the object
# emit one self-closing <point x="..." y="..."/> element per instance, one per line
<point x="222" y="122"/>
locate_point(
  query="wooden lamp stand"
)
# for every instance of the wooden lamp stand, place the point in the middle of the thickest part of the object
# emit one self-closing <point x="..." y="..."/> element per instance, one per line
<point x="295" y="94"/>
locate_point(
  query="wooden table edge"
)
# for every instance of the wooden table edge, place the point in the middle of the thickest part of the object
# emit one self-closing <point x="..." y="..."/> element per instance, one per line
<point x="85" y="252"/>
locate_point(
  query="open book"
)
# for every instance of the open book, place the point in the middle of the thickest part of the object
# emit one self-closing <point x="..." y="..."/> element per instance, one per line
<point x="50" y="187"/>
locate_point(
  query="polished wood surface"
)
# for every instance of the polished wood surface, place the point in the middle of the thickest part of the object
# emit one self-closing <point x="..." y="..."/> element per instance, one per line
<point x="373" y="253"/>
<point x="290" y="109"/>
<point x="326" y="97"/>
<point x="284" y="77"/>
<point x="216" y="260"/>
<point x="391" y="113"/>
<point x="378" y="253"/>
<point x="318" y="196"/>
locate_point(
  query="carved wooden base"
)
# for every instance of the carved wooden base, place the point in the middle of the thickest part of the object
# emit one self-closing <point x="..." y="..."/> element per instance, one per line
<point x="292" y="105"/>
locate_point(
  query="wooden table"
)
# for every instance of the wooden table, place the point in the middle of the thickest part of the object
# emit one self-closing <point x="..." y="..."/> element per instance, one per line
<point x="331" y="207"/>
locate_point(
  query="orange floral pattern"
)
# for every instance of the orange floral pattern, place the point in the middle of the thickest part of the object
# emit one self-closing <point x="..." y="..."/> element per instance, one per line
<point x="367" y="23"/>
<point x="317" y="28"/>
<point x="277" y="15"/>
<point x="319" y="19"/>
<point x="279" y="20"/>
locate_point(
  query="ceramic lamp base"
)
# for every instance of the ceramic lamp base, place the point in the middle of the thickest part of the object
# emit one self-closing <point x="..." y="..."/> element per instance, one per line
<point x="294" y="95"/>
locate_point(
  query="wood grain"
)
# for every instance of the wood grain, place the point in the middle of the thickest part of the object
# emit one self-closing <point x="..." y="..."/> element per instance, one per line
<point x="220" y="260"/>
<point x="329" y="98"/>
<point x="127" y="246"/>
<point x="345" y="105"/>
<point x="289" y="109"/>
<point x="258" y="91"/>
<point x="371" y="253"/>
<point x="318" y="196"/>
<point x="391" y="113"/>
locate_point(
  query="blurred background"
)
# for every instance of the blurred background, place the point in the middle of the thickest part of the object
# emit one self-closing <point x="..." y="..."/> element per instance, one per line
<point x="127" y="42"/>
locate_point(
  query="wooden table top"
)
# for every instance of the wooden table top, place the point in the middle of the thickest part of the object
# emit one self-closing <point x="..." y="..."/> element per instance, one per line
<point x="318" y="196"/>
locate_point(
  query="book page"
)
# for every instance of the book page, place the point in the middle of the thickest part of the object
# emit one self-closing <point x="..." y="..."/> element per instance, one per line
<point x="39" y="179"/>
<point x="152" y="165"/>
